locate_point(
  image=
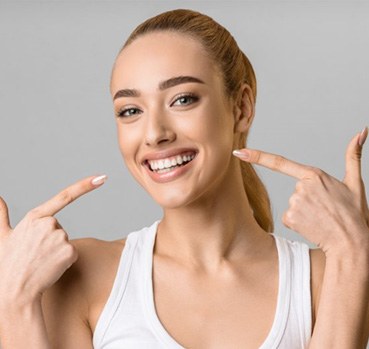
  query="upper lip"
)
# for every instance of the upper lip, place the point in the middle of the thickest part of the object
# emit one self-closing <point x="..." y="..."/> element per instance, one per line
<point x="166" y="154"/>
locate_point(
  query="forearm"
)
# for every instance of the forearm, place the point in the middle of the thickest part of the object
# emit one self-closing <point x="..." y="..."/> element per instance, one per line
<point x="23" y="327"/>
<point x="344" y="302"/>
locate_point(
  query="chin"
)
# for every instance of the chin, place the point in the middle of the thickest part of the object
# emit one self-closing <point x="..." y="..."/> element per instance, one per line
<point x="182" y="196"/>
<point x="171" y="199"/>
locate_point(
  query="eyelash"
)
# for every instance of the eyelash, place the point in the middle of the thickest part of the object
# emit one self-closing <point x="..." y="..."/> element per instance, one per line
<point x="191" y="96"/>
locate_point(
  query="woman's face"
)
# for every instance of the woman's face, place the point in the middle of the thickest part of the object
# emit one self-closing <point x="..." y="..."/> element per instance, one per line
<point x="175" y="125"/>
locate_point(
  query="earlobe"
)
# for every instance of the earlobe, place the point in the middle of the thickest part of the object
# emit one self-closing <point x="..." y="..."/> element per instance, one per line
<point x="244" y="109"/>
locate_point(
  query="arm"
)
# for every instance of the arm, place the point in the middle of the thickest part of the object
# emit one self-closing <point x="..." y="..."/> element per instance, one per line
<point x="24" y="327"/>
<point x="342" y="317"/>
<point x="334" y="216"/>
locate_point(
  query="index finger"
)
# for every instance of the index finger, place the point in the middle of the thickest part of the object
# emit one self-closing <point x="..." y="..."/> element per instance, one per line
<point x="67" y="196"/>
<point x="274" y="162"/>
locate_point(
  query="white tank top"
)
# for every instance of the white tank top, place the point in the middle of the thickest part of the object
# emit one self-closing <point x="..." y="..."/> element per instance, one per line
<point x="129" y="320"/>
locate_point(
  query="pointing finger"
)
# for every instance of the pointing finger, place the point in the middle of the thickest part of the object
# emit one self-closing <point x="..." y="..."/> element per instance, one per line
<point x="67" y="196"/>
<point x="274" y="162"/>
<point x="353" y="160"/>
<point x="4" y="217"/>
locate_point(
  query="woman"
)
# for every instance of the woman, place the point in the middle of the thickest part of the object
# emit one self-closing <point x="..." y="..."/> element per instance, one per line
<point x="209" y="274"/>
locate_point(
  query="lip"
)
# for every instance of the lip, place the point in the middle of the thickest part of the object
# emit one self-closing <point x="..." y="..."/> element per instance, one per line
<point x="173" y="174"/>
<point x="166" y="154"/>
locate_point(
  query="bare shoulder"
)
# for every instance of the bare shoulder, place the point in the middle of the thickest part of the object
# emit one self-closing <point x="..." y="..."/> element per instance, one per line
<point x="70" y="304"/>
<point x="317" y="266"/>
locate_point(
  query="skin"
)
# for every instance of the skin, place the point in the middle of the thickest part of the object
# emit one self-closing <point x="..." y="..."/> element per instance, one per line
<point x="205" y="212"/>
<point x="196" y="204"/>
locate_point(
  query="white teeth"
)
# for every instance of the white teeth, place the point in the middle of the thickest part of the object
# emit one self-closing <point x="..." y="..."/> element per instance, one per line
<point x="164" y="170"/>
<point x="163" y="165"/>
<point x="167" y="163"/>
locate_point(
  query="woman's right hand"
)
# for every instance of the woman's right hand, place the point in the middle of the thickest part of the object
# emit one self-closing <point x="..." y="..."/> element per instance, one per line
<point x="36" y="253"/>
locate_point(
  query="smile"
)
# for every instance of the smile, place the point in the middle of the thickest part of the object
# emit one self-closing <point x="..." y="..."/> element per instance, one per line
<point x="170" y="168"/>
<point x="169" y="164"/>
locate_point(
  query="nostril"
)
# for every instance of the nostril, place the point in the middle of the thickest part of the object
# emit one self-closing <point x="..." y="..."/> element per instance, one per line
<point x="159" y="134"/>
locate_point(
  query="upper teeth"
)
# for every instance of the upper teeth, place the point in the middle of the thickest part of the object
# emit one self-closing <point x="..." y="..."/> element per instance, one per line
<point x="169" y="162"/>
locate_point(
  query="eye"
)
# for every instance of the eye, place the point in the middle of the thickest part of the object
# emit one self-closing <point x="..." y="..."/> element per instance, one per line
<point x="126" y="112"/>
<point x="185" y="99"/>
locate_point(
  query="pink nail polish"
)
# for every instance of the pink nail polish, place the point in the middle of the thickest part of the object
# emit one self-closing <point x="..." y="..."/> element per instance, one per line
<point x="363" y="136"/>
<point x="99" y="180"/>
<point x="244" y="154"/>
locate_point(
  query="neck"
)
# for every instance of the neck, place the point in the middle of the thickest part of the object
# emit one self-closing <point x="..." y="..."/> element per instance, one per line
<point x="220" y="228"/>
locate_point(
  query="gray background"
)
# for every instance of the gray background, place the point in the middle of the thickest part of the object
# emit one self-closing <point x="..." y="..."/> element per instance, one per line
<point x="57" y="125"/>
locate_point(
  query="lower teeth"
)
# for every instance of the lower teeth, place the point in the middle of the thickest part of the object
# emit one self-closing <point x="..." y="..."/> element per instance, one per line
<point x="165" y="170"/>
<point x="170" y="168"/>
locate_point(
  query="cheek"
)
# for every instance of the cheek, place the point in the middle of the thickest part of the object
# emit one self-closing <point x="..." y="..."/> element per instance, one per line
<point x="212" y="124"/>
<point x="127" y="140"/>
<point x="217" y="132"/>
<point x="122" y="141"/>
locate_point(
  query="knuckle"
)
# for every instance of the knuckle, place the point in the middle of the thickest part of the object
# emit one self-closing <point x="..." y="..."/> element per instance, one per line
<point x="293" y="200"/>
<point x="66" y="196"/>
<point x="300" y="188"/>
<point x="288" y="218"/>
<point x="70" y="252"/>
<point x="285" y="220"/>
<point x="61" y="235"/>
<point x="64" y="235"/>
<point x="51" y="221"/>
<point x="32" y="214"/>
<point x="315" y="173"/>
<point x="278" y="162"/>
<point x="255" y="156"/>
<point x="356" y="155"/>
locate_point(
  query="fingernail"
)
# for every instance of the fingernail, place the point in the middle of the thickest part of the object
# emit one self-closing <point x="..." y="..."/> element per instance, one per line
<point x="99" y="180"/>
<point x="244" y="154"/>
<point x="363" y="136"/>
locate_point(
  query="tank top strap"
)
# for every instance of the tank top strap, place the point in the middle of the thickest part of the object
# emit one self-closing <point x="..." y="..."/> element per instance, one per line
<point x="301" y="280"/>
<point x="280" y="321"/>
<point x="295" y="329"/>
<point x="117" y="291"/>
<point x="129" y="319"/>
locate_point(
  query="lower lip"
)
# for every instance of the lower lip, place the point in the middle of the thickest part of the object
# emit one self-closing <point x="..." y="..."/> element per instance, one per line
<point x="170" y="175"/>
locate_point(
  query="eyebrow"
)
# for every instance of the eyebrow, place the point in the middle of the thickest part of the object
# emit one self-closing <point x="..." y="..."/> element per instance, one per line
<point x="163" y="85"/>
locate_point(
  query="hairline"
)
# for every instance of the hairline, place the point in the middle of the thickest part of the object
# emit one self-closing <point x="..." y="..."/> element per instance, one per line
<point x="216" y="66"/>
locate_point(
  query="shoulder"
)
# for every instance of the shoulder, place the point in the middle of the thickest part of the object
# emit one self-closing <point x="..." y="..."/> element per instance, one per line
<point x="96" y="265"/>
<point x="94" y="252"/>
<point x="317" y="266"/>
<point x="94" y="256"/>
<point x="69" y="303"/>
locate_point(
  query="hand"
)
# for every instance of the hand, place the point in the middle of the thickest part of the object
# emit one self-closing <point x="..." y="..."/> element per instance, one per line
<point x="35" y="254"/>
<point x="329" y="213"/>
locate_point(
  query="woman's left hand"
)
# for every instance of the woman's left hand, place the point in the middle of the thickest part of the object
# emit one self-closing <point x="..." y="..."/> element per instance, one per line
<point x="330" y="213"/>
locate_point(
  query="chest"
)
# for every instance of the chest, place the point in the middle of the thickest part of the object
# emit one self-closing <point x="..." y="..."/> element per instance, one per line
<point x="232" y="311"/>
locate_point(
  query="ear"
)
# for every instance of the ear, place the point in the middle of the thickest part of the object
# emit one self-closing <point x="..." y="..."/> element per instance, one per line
<point x="244" y="109"/>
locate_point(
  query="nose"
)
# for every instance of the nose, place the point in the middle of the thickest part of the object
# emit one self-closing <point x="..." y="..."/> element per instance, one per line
<point x="158" y="130"/>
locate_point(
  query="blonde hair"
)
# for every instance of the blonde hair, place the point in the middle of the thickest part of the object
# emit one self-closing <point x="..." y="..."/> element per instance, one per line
<point x="235" y="68"/>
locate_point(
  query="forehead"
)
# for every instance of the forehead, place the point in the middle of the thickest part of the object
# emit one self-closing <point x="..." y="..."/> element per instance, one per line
<point x="158" y="56"/>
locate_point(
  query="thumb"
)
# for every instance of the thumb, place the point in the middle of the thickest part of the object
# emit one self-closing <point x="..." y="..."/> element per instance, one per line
<point x="353" y="177"/>
<point x="4" y="217"/>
